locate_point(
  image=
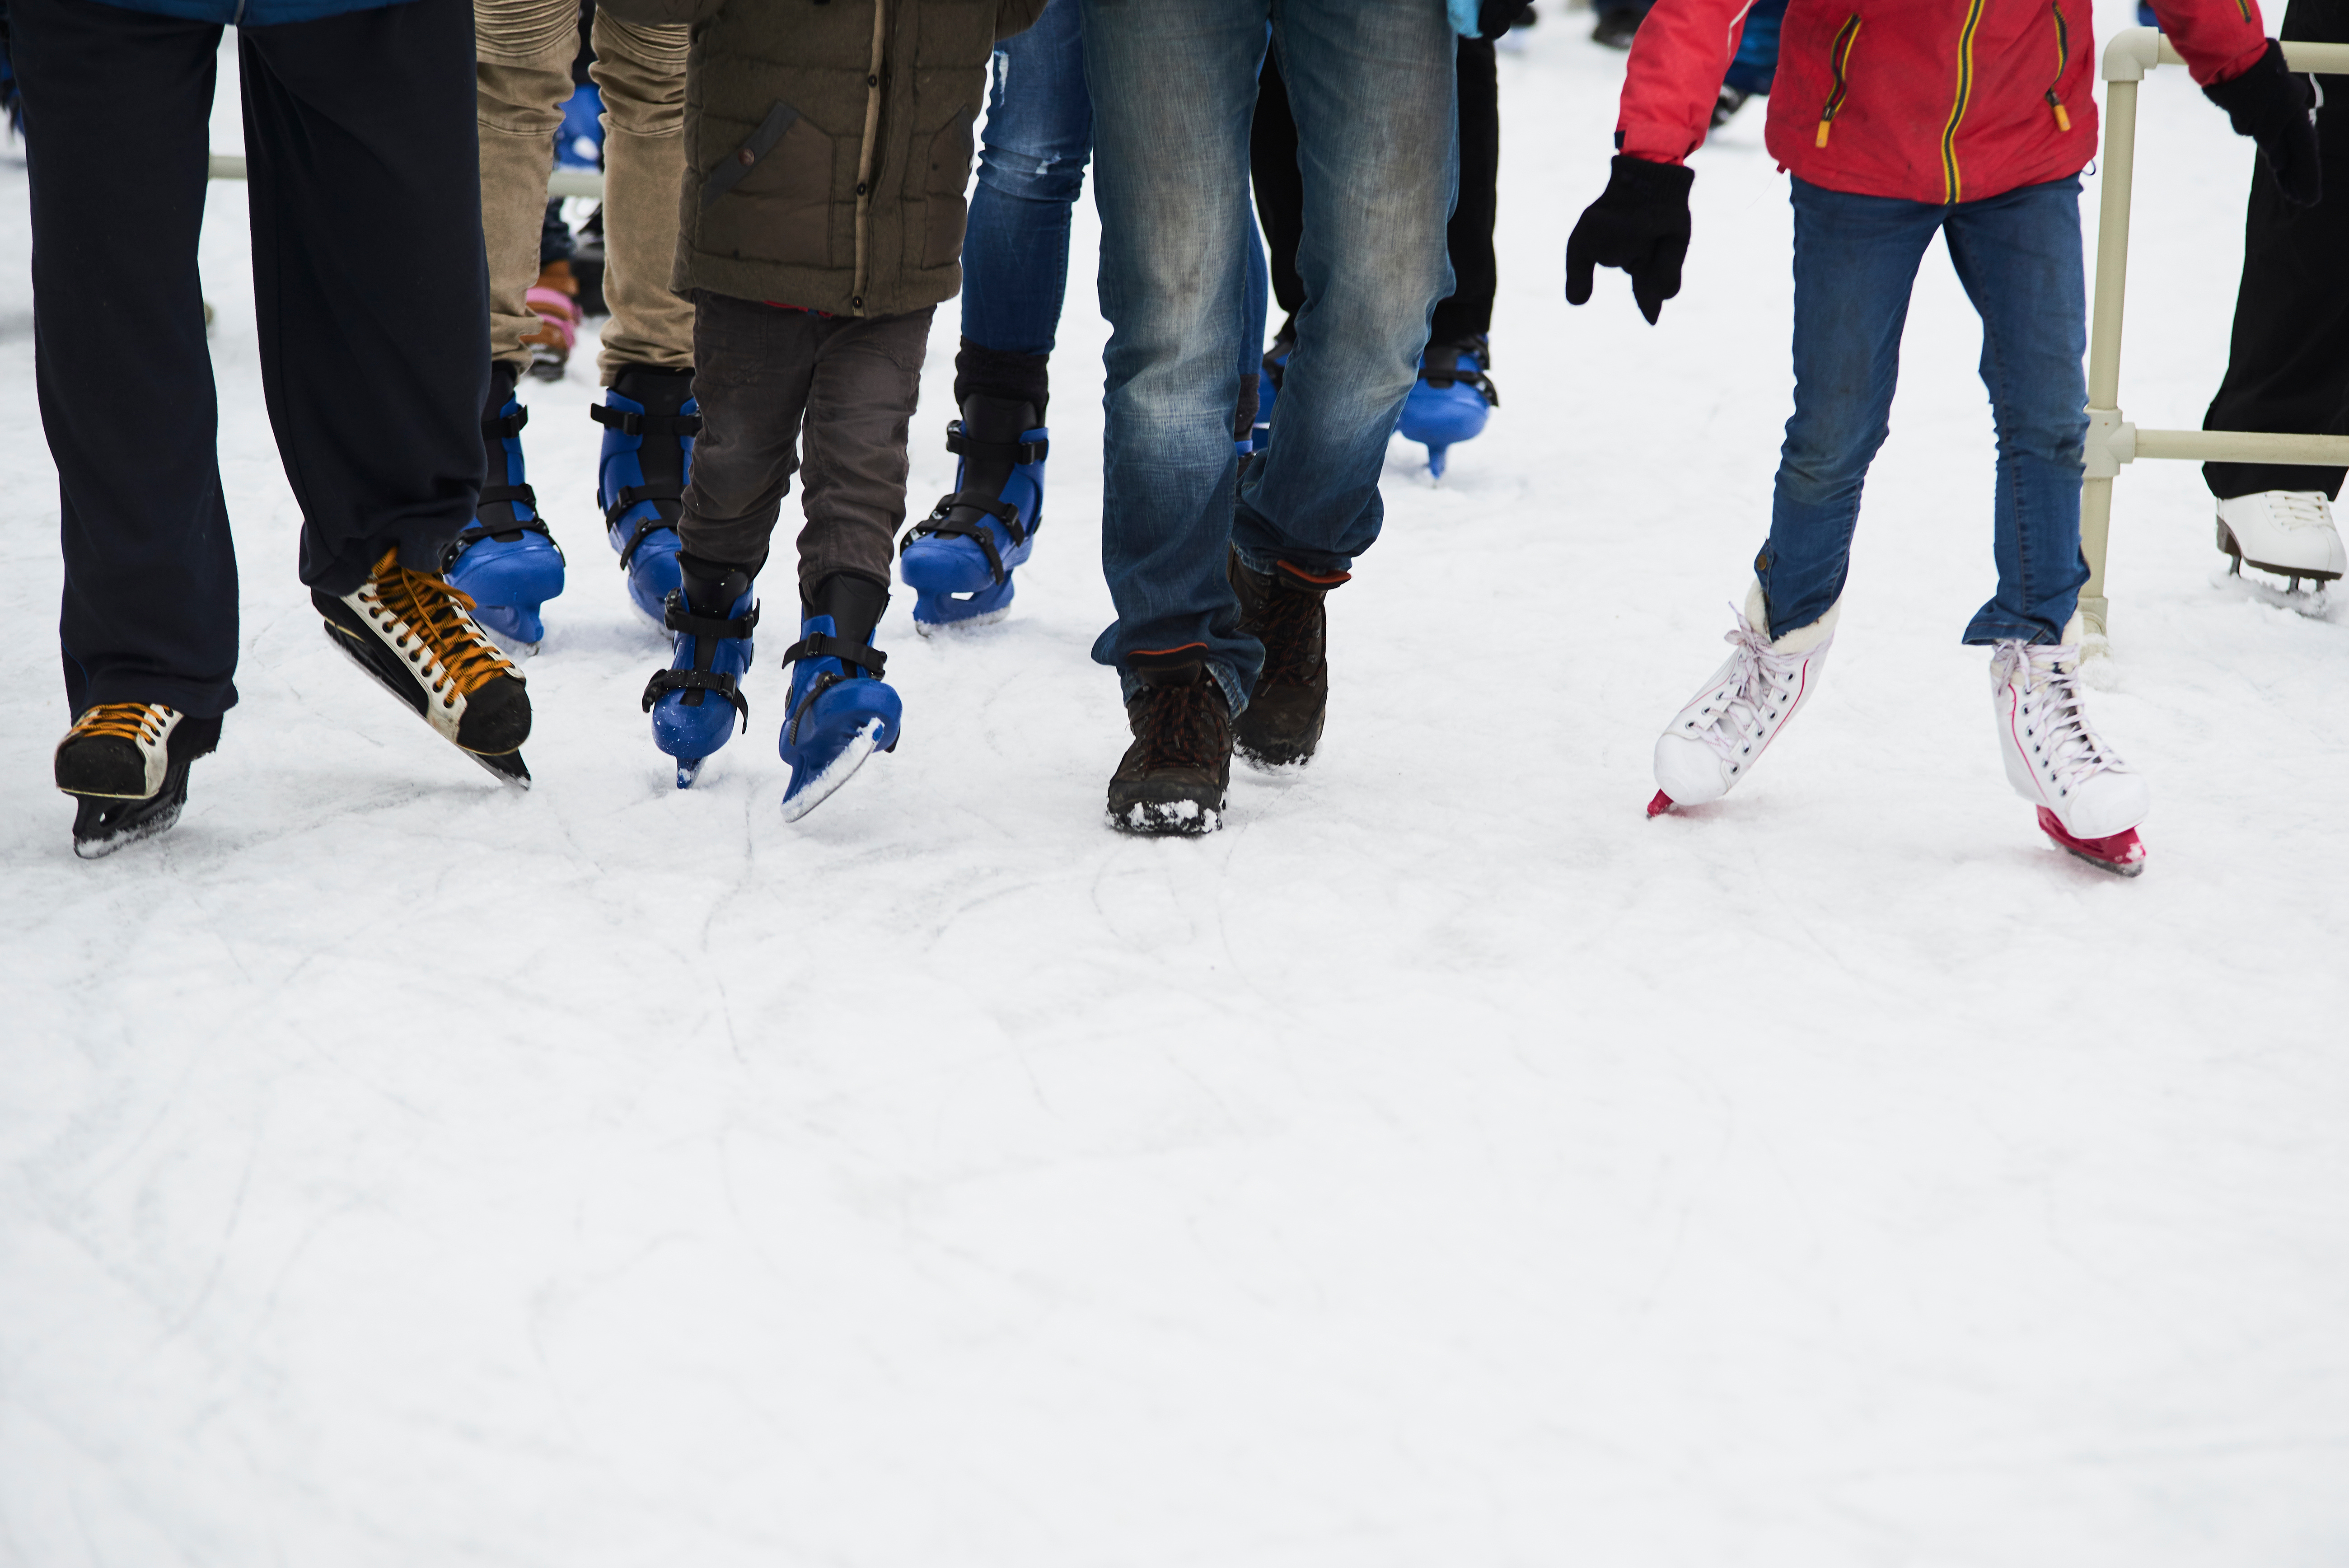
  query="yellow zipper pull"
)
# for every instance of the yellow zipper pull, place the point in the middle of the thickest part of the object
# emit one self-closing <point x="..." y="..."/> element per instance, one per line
<point x="1822" y="141"/>
<point x="2063" y="120"/>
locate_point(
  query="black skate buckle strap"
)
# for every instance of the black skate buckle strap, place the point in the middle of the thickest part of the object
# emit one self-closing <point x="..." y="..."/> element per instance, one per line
<point x="505" y="427"/>
<point x="963" y="445"/>
<point x="473" y="533"/>
<point x="1477" y="379"/>
<point x="942" y="521"/>
<point x="645" y="528"/>
<point x="678" y="616"/>
<point x="816" y="645"/>
<point x="636" y="424"/>
<point x="665" y="681"/>
<point x="630" y="495"/>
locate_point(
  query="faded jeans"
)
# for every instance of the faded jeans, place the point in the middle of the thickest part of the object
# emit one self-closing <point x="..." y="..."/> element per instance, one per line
<point x="1173" y="87"/>
<point x="1856" y="258"/>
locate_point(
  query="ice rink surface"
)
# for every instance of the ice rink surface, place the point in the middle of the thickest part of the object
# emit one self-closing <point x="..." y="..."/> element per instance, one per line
<point x="1442" y="1165"/>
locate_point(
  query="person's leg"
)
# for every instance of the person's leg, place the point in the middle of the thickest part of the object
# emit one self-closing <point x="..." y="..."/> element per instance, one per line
<point x="2019" y="256"/>
<point x="524" y="50"/>
<point x="1032" y="168"/>
<point x="1855" y="263"/>
<point x="1173" y="87"/>
<point x="371" y="355"/>
<point x="1279" y="185"/>
<point x="640" y="72"/>
<point x="1467" y="312"/>
<point x="1371" y="258"/>
<point x="150" y="610"/>
<point x="2288" y="363"/>
<point x="752" y="366"/>
<point x="860" y="402"/>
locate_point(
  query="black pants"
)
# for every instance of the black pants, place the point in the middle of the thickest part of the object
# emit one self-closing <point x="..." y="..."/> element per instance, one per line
<point x="2288" y="366"/>
<point x="760" y="374"/>
<point x="1280" y="193"/>
<point x="372" y="304"/>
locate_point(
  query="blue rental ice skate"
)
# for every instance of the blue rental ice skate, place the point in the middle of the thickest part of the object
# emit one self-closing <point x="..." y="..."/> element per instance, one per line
<point x="505" y="560"/>
<point x="960" y="559"/>
<point x="649" y="421"/>
<point x="709" y="616"/>
<point x="1450" y="399"/>
<point x="842" y="711"/>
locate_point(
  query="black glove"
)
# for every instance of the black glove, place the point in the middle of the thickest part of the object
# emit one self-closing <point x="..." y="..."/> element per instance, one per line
<point x="1640" y="223"/>
<point x="1494" y="18"/>
<point x="2276" y="110"/>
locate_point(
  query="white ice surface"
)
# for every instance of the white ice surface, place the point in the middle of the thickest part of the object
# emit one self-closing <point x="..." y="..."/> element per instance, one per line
<point x="1441" y="1165"/>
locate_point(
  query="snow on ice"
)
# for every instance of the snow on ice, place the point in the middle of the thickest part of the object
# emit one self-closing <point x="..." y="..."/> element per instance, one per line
<point x="1442" y="1164"/>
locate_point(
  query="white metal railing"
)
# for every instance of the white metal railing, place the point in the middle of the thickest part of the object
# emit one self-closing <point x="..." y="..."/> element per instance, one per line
<point x="2112" y="439"/>
<point x="562" y="182"/>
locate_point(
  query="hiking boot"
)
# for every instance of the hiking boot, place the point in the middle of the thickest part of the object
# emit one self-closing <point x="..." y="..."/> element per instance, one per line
<point x="1282" y="609"/>
<point x="1172" y="779"/>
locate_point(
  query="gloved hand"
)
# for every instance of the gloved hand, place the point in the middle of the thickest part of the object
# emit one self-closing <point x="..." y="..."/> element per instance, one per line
<point x="1494" y="18"/>
<point x="1640" y="223"/>
<point x="2274" y="109"/>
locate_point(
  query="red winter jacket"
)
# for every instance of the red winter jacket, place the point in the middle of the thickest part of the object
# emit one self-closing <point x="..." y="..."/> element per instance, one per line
<point x="1933" y="101"/>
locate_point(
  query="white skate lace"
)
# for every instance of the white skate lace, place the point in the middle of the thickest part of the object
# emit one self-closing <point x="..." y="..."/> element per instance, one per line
<point x="1758" y="669"/>
<point x="2074" y="752"/>
<point x="2300" y="509"/>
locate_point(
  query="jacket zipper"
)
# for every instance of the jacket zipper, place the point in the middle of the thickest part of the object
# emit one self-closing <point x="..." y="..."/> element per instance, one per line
<point x="1952" y="181"/>
<point x="2063" y="61"/>
<point x="864" y="169"/>
<point x="1839" y="57"/>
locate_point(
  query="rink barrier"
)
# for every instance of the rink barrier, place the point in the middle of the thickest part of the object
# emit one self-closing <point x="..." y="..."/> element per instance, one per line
<point x="2112" y="439"/>
<point x="562" y="182"/>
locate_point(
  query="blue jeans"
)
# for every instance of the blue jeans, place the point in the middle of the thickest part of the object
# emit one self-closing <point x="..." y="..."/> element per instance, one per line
<point x="1371" y="84"/>
<point x="1856" y="258"/>
<point x="1031" y="170"/>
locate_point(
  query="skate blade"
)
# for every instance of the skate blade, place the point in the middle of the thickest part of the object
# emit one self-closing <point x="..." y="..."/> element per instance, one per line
<point x="2121" y="853"/>
<point x="1661" y="805"/>
<point x="2318" y="603"/>
<point x="689" y="769"/>
<point x="99" y="846"/>
<point x="967" y="623"/>
<point x="513" y="647"/>
<point x="1168" y="819"/>
<point x="1435" y="460"/>
<point x="820" y="787"/>
<point x="506" y="768"/>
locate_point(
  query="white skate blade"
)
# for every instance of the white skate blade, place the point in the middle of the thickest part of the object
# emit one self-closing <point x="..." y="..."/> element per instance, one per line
<point x="969" y="623"/>
<point x="819" y="787"/>
<point x="513" y="647"/>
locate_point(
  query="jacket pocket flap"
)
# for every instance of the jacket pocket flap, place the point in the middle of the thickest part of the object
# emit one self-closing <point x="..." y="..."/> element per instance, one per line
<point x="729" y="173"/>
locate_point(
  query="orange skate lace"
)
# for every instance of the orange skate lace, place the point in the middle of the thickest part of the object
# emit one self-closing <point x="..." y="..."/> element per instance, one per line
<point x="142" y="723"/>
<point x="437" y="617"/>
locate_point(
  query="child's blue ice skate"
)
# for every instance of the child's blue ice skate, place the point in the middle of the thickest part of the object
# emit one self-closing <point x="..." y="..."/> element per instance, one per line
<point x="842" y="711"/>
<point x="709" y="618"/>
<point x="960" y="559"/>
<point x="649" y="421"/>
<point x="505" y="560"/>
<point x="1451" y="400"/>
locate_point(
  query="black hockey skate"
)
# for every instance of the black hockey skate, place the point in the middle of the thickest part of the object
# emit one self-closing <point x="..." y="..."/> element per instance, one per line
<point x="1172" y="780"/>
<point x="126" y="765"/>
<point x="417" y="636"/>
<point x="1283" y="610"/>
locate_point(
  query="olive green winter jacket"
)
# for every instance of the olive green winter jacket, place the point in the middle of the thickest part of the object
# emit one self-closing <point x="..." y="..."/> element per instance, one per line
<point x="827" y="144"/>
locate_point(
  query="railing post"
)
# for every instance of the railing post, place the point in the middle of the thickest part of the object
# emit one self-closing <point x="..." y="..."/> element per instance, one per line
<point x="2127" y="58"/>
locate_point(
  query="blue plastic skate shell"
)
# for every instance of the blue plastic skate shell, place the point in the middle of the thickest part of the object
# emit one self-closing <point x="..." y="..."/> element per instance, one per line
<point x="837" y="720"/>
<point x="651" y="564"/>
<point x="509" y="579"/>
<point x="692" y="732"/>
<point x="954" y="582"/>
<point x="1440" y="417"/>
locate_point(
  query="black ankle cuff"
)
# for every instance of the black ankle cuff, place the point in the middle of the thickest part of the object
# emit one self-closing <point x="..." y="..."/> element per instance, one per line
<point x="981" y="371"/>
